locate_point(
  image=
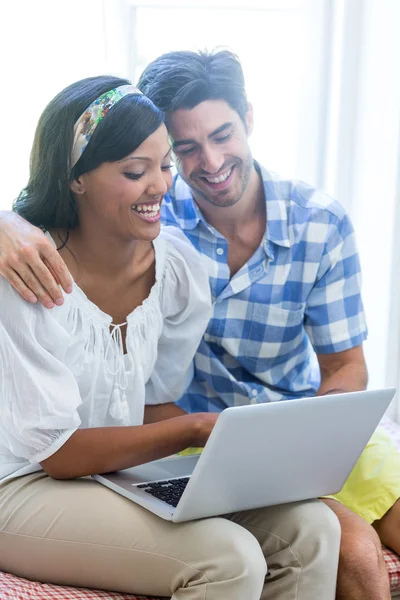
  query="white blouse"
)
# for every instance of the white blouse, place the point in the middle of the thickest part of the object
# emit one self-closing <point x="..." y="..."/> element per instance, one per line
<point x="64" y="368"/>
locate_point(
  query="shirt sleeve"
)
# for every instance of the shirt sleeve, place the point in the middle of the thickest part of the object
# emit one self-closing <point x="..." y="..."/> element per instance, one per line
<point x="186" y="306"/>
<point x="334" y="314"/>
<point x="39" y="395"/>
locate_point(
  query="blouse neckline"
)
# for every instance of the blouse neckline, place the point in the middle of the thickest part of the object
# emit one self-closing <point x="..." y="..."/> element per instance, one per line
<point x="78" y="293"/>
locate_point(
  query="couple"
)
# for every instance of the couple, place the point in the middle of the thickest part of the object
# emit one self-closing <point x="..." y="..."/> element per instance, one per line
<point x="90" y="386"/>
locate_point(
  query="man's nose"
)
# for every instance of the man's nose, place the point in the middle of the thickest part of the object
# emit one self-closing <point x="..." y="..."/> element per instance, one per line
<point x="212" y="160"/>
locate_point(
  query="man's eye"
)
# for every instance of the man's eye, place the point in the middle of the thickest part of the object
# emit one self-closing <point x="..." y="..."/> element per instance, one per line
<point x="185" y="152"/>
<point x="134" y="176"/>
<point x="225" y="138"/>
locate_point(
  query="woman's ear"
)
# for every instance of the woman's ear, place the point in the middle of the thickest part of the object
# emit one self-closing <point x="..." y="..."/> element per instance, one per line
<point x="77" y="186"/>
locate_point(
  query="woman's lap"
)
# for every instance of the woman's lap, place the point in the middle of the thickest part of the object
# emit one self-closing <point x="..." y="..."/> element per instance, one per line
<point x="80" y="533"/>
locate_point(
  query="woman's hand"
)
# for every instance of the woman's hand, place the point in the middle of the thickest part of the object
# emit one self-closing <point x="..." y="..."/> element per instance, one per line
<point x="201" y="424"/>
<point x="204" y="424"/>
<point x="31" y="263"/>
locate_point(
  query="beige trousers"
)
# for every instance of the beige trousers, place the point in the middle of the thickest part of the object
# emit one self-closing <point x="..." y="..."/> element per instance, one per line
<point x="82" y="534"/>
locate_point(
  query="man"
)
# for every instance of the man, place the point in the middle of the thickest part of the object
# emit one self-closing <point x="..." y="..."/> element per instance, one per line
<point x="284" y="275"/>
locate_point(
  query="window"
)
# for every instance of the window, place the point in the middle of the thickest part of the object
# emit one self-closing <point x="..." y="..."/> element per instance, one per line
<point x="278" y="50"/>
<point x="275" y="40"/>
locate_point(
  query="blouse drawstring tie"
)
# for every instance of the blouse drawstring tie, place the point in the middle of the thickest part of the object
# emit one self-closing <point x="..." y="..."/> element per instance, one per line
<point x="119" y="408"/>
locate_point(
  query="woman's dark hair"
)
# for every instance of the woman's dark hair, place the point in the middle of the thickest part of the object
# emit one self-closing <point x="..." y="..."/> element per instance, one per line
<point x="184" y="79"/>
<point x="47" y="200"/>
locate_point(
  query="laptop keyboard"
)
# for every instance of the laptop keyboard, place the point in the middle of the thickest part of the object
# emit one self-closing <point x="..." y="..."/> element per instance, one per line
<point x="169" y="491"/>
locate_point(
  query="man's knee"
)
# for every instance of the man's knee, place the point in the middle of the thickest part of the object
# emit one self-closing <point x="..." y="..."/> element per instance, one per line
<point x="361" y="554"/>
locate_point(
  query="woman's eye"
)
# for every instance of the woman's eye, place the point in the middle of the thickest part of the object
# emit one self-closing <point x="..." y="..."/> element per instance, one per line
<point x="166" y="167"/>
<point x="134" y="176"/>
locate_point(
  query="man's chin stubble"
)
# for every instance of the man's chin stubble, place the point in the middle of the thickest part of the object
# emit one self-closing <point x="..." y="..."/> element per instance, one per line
<point x="214" y="202"/>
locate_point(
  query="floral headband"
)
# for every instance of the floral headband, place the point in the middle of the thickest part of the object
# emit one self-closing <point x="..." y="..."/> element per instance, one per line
<point x="88" y="121"/>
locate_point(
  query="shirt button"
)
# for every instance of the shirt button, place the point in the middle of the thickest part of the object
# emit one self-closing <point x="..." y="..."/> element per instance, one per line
<point x="254" y="393"/>
<point x="220" y="251"/>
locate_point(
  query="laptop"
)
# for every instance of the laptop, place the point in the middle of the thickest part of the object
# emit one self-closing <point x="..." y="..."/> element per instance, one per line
<point x="259" y="455"/>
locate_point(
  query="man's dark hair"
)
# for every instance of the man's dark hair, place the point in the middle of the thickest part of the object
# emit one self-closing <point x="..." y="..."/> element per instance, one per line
<point x="184" y="79"/>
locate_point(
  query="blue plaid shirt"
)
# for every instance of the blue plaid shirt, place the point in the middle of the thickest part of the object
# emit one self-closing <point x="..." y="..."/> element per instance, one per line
<point x="298" y="295"/>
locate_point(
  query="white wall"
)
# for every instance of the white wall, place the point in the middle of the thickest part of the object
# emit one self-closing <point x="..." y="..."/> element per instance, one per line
<point x="46" y="45"/>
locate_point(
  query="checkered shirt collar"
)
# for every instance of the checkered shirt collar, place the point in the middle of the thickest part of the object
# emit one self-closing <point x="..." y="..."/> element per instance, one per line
<point x="190" y="216"/>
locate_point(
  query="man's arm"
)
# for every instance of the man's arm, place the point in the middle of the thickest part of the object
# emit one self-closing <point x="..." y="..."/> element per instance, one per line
<point x="30" y="262"/>
<point x="343" y="372"/>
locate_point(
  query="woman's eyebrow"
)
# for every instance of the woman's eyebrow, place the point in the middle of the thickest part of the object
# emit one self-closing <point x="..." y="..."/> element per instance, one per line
<point x="144" y="157"/>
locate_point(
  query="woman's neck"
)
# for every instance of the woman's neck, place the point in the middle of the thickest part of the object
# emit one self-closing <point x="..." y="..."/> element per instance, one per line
<point x="102" y="255"/>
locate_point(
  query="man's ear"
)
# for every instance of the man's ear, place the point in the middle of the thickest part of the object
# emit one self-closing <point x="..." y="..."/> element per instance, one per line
<point x="77" y="186"/>
<point x="249" y="119"/>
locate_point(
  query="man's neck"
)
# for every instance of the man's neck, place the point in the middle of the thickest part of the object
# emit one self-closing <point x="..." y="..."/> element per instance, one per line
<point x="229" y="220"/>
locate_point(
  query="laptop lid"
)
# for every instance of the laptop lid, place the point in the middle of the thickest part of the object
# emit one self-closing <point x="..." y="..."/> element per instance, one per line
<point x="268" y="454"/>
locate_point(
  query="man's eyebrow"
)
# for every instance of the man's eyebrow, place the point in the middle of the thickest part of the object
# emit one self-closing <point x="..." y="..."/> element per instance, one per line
<point x="144" y="157"/>
<point x="182" y="143"/>
<point x="219" y="129"/>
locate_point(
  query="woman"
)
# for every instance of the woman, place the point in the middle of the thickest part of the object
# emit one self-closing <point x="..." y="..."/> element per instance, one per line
<point x="89" y="386"/>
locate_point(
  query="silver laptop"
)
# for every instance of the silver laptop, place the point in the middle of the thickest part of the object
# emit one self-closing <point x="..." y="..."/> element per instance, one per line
<point x="259" y="455"/>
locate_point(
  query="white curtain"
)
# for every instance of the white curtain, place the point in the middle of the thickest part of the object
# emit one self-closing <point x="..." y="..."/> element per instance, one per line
<point x="363" y="165"/>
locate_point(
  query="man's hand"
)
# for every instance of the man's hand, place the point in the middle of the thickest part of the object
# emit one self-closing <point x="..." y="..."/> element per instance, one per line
<point x="31" y="263"/>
